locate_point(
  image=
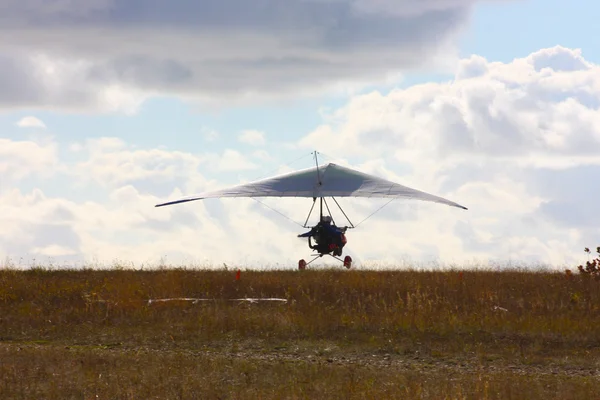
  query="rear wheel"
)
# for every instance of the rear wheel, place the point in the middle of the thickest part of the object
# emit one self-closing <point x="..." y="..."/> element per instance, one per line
<point x="348" y="262"/>
<point x="302" y="264"/>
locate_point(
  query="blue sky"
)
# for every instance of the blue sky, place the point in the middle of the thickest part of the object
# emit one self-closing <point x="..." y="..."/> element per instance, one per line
<point x="169" y="121"/>
<point x="534" y="24"/>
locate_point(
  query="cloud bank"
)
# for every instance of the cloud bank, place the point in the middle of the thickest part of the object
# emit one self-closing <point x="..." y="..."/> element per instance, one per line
<point x="106" y="55"/>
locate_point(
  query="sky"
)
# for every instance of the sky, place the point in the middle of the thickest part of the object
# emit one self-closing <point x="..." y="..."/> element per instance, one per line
<point x="108" y="107"/>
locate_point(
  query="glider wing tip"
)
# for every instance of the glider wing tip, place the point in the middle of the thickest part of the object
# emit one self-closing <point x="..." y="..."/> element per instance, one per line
<point x="178" y="201"/>
<point x="170" y="203"/>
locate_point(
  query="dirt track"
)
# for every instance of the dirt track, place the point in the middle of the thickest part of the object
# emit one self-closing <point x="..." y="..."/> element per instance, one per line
<point x="336" y="357"/>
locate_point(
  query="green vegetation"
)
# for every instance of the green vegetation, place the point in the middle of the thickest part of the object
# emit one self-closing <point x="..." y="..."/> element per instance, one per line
<point x="341" y="334"/>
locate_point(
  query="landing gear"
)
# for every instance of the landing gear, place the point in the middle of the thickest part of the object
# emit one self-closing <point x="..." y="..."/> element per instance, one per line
<point x="302" y="264"/>
<point x="329" y="238"/>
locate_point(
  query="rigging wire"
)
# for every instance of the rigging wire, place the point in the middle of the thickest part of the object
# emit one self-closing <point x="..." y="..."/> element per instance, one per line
<point x="374" y="212"/>
<point x="310" y="212"/>
<point x="343" y="212"/>
<point x="278" y="212"/>
<point x="326" y="156"/>
<point x="335" y="160"/>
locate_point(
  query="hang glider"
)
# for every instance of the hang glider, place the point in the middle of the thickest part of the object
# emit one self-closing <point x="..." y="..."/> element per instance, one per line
<point x="321" y="181"/>
<point x="329" y="180"/>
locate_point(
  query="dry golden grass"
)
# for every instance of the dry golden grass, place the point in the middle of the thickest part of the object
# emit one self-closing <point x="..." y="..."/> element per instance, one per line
<point x="399" y="334"/>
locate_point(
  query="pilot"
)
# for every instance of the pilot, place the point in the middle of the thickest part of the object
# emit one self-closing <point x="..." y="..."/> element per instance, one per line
<point x="332" y="234"/>
<point x="326" y="235"/>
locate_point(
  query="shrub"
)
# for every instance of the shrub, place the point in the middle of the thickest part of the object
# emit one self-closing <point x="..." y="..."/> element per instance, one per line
<point x="592" y="268"/>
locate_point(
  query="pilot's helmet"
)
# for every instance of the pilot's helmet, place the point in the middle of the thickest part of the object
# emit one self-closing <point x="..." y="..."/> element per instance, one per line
<point x="327" y="219"/>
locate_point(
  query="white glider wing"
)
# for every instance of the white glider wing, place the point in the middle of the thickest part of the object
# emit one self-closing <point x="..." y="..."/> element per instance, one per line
<point x="329" y="180"/>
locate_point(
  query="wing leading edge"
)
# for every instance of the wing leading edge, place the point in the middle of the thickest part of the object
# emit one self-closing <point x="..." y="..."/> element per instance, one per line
<point x="336" y="181"/>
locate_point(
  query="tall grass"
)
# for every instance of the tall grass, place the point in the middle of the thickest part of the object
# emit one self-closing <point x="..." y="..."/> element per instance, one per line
<point x="329" y="304"/>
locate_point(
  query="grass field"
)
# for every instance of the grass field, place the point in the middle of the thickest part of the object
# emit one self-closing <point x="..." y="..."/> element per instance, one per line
<point x="87" y="334"/>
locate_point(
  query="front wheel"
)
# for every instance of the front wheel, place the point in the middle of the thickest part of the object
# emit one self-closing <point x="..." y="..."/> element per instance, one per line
<point x="302" y="265"/>
<point x="348" y="262"/>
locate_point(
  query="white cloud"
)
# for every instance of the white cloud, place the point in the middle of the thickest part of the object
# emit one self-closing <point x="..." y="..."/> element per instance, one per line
<point x="253" y="137"/>
<point x="30" y="122"/>
<point x="514" y="111"/>
<point x="111" y="163"/>
<point x="22" y="159"/>
<point x="262" y="155"/>
<point x="107" y="55"/>
<point x="232" y="160"/>
<point x="75" y="147"/>
<point x="54" y="250"/>
<point x="127" y="227"/>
